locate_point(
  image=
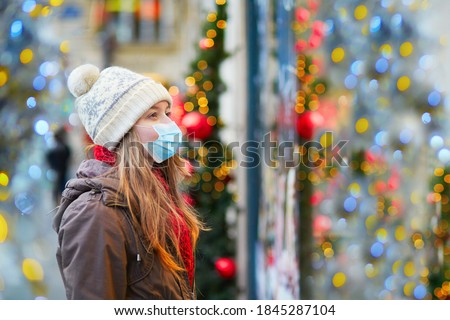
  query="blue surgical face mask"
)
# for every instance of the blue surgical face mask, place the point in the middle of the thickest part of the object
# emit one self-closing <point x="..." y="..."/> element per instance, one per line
<point x="166" y="146"/>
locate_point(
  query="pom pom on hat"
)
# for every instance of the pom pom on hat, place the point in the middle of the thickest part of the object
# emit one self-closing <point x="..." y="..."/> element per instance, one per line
<point x="111" y="101"/>
<point x="82" y="79"/>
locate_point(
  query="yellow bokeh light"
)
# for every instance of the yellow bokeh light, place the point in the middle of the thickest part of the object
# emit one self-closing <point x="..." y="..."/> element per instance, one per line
<point x="362" y="125"/>
<point x="403" y="83"/>
<point x="203" y="110"/>
<point x="188" y="106"/>
<point x="202" y="64"/>
<point x="211" y="33"/>
<point x="360" y="12"/>
<point x="419" y="244"/>
<point x="219" y="186"/>
<point x="328" y="252"/>
<point x="320" y="88"/>
<point x="56" y="3"/>
<point x="406" y="49"/>
<point x="26" y="56"/>
<point x="211" y="120"/>
<point x="173" y="90"/>
<point x="438" y="172"/>
<point x="370" y="222"/>
<point x="3" y="77"/>
<point x="354" y="189"/>
<point x="386" y="50"/>
<point x="400" y="233"/>
<point x="326" y="139"/>
<point x="46" y="11"/>
<point x="396" y="266"/>
<point x="3" y="229"/>
<point x="339" y="279"/>
<point x="409" y="269"/>
<point x="206" y="176"/>
<point x="4" y="179"/>
<point x="438" y="187"/>
<point x="64" y="47"/>
<point x="221" y="24"/>
<point x="211" y="17"/>
<point x="36" y="11"/>
<point x="32" y="270"/>
<point x="190" y="81"/>
<point x="221" y="2"/>
<point x="381" y="234"/>
<point x="208" y="85"/>
<point x="203" y="102"/>
<point x="198" y="75"/>
<point x="370" y="270"/>
<point x="337" y="55"/>
<point x="409" y="288"/>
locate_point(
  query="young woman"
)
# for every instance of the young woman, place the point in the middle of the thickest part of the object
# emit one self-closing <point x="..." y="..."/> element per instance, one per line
<point x="124" y="229"/>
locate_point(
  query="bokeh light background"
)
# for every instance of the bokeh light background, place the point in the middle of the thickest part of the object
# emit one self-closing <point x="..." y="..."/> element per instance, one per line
<point x="380" y="224"/>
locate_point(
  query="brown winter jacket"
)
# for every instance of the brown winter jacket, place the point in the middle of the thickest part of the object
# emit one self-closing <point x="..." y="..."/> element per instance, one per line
<point x="101" y="254"/>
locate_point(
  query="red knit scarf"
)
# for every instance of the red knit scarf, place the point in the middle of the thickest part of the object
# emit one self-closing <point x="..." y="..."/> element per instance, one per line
<point x="181" y="229"/>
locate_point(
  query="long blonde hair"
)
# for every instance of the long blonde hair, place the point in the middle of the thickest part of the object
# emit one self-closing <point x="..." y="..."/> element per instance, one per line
<point x="153" y="206"/>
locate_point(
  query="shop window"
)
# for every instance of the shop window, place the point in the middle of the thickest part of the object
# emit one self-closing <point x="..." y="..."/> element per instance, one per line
<point x="135" y="21"/>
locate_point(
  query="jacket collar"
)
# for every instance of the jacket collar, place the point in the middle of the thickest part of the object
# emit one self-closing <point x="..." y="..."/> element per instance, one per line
<point x="92" y="176"/>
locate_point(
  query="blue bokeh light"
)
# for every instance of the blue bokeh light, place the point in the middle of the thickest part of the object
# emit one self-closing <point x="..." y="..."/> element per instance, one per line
<point x="41" y="127"/>
<point x="350" y="204"/>
<point x="437" y="142"/>
<point x="434" y="98"/>
<point x="351" y="81"/>
<point x="375" y="24"/>
<point x="426" y="118"/>
<point x="16" y="28"/>
<point x="444" y="155"/>
<point x="381" y="138"/>
<point x="35" y="172"/>
<point x="39" y="83"/>
<point x="28" y="6"/>
<point x="405" y="136"/>
<point x="420" y="291"/>
<point x="31" y="102"/>
<point x="377" y="249"/>
<point x="382" y="65"/>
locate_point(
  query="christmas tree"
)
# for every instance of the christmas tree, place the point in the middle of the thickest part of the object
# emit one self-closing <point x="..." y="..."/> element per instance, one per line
<point x="210" y="160"/>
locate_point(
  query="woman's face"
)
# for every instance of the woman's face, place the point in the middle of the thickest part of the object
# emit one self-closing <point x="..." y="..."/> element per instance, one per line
<point x="158" y="113"/>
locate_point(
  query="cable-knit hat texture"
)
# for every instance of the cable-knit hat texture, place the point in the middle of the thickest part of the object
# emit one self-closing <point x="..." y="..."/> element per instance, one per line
<point x="110" y="102"/>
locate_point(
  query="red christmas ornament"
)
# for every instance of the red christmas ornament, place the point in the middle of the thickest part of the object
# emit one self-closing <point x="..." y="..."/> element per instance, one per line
<point x="314" y="41"/>
<point x="226" y="267"/>
<point x="301" y="45"/>
<point x="302" y="14"/>
<point x="196" y="125"/>
<point x="307" y="123"/>
<point x="318" y="29"/>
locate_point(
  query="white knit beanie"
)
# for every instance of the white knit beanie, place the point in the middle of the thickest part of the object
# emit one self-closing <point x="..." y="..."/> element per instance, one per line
<point x="110" y="102"/>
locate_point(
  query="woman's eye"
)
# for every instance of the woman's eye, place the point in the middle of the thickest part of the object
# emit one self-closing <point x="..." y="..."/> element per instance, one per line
<point x="169" y="114"/>
<point x="153" y="115"/>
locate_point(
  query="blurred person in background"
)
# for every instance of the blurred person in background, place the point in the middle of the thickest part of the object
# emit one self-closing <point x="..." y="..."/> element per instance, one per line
<point x="124" y="228"/>
<point x="58" y="159"/>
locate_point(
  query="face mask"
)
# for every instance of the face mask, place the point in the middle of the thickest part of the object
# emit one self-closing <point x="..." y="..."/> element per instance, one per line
<point x="167" y="143"/>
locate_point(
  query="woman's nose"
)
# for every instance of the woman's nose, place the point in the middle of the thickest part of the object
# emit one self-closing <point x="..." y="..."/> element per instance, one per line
<point x="165" y="119"/>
